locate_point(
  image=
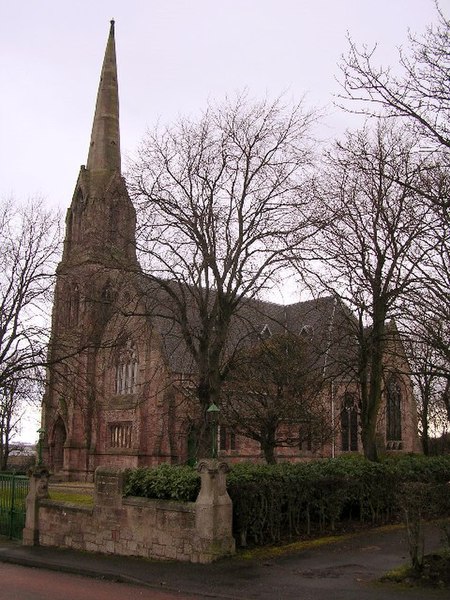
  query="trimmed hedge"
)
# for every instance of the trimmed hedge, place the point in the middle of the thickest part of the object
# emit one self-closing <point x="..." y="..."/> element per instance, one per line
<point x="166" y="482"/>
<point x="275" y="502"/>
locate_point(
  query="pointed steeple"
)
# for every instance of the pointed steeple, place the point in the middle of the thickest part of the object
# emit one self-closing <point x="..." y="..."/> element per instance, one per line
<point x="101" y="220"/>
<point x="104" y="149"/>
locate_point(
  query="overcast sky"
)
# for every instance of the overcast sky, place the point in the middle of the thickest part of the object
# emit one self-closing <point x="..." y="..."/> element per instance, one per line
<point x="173" y="55"/>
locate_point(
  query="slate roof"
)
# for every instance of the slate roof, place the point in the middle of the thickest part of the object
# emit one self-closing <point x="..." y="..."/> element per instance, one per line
<point x="324" y="322"/>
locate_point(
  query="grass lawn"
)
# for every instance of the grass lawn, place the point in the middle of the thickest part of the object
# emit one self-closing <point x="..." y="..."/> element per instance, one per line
<point x="435" y="572"/>
<point x="72" y="497"/>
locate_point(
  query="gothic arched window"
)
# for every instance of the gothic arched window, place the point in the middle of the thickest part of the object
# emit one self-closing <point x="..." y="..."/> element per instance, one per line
<point x="349" y="424"/>
<point x="393" y="411"/>
<point x="57" y="447"/>
<point x="107" y="293"/>
<point x="126" y="369"/>
<point x="73" y="304"/>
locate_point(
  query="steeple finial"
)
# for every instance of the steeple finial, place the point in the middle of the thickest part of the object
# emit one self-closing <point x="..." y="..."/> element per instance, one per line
<point x="104" y="149"/>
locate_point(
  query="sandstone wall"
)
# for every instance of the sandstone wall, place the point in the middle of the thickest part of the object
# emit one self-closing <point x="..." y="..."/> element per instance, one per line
<point x="193" y="531"/>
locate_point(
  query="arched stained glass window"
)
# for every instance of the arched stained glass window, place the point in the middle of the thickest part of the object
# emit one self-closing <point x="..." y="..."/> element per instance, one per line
<point x="349" y="424"/>
<point x="393" y="411"/>
<point x="126" y="370"/>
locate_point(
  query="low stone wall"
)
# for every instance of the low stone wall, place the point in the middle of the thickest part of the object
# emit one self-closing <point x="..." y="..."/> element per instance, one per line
<point x="193" y="531"/>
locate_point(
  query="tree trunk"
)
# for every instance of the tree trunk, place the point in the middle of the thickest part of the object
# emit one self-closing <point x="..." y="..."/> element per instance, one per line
<point x="3" y="459"/>
<point x="370" y="445"/>
<point x="269" y="454"/>
<point x="372" y="403"/>
<point x="446" y="398"/>
<point x="5" y="437"/>
<point x="425" y="435"/>
<point x="268" y="444"/>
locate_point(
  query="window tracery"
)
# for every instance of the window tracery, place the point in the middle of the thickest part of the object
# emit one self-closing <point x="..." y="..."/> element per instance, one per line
<point x="126" y="370"/>
<point x="120" y="434"/>
<point x="393" y="412"/>
<point x="349" y="424"/>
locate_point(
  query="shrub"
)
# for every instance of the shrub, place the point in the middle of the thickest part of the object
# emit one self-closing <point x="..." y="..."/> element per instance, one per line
<point x="421" y="500"/>
<point x="425" y="469"/>
<point x="275" y="502"/>
<point x="165" y="482"/>
<point x="272" y="502"/>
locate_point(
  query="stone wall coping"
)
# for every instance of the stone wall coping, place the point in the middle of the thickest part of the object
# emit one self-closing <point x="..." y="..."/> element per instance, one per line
<point x="108" y="471"/>
<point x="160" y="504"/>
<point x="70" y="506"/>
<point x="197" y="531"/>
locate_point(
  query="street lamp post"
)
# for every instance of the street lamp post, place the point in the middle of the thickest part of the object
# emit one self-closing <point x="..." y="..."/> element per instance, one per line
<point x="213" y="414"/>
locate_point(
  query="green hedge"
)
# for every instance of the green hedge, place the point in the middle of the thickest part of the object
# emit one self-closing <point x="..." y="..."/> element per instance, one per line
<point x="167" y="482"/>
<point x="280" y="501"/>
<point x="275" y="502"/>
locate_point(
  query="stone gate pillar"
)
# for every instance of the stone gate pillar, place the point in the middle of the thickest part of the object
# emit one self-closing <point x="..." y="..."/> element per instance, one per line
<point x="38" y="490"/>
<point x="108" y="487"/>
<point x="214" y="511"/>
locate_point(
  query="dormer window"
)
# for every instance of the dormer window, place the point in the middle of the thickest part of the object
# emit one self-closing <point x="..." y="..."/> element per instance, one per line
<point x="265" y="332"/>
<point x="306" y="331"/>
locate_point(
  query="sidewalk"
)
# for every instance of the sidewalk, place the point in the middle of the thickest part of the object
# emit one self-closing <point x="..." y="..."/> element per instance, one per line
<point x="346" y="569"/>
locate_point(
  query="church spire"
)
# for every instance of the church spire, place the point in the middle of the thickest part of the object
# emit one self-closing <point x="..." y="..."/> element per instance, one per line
<point x="104" y="149"/>
<point x="101" y="220"/>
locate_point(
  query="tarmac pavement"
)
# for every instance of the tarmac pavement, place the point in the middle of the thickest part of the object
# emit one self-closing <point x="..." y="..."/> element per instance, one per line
<point x="346" y="569"/>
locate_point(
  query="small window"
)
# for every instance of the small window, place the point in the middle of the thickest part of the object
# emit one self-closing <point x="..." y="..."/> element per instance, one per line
<point x="120" y="434"/>
<point x="306" y="331"/>
<point x="223" y="437"/>
<point x="227" y="438"/>
<point x="305" y="437"/>
<point x="107" y="294"/>
<point x="265" y="332"/>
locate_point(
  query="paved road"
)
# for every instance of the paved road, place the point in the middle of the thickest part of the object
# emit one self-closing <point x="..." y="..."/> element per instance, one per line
<point x="24" y="583"/>
<point x="347" y="569"/>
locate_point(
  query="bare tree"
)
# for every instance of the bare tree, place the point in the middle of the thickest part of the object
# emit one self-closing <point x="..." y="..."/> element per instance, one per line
<point x="419" y="95"/>
<point x="432" y="310"/>
<point x="215" y="199"/>
<point x="15" y="399"/>
<point x="272" y="395"/>
<point x="429" y="330"/>
<point x="28" y="251"/>
<point x="370" y="247"/>
<point x="430" y="386"/>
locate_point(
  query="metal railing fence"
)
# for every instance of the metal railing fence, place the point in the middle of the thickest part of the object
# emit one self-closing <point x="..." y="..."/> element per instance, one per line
<point x="13" y="492"/>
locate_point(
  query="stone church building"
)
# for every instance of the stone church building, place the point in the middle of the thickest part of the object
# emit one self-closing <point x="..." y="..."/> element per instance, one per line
<point x="115" y="394"/>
